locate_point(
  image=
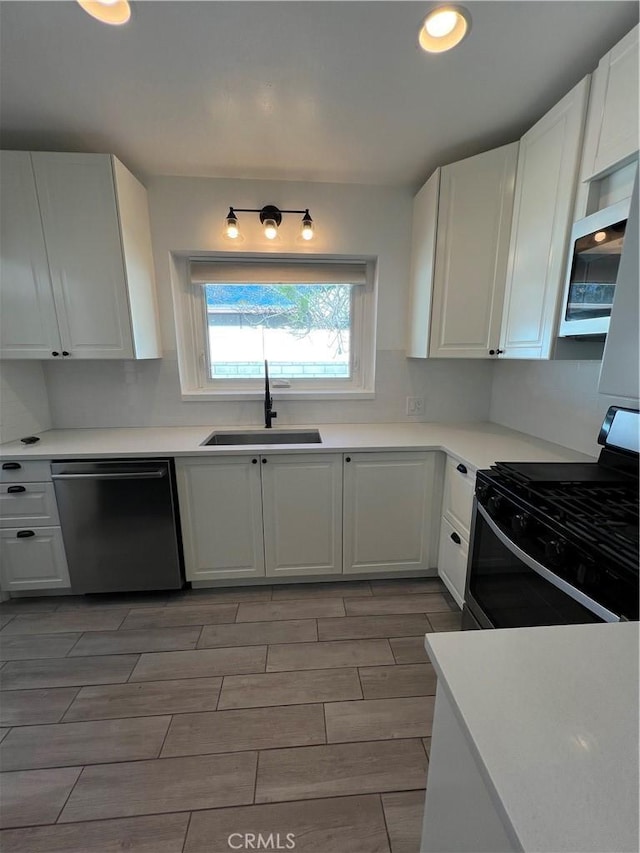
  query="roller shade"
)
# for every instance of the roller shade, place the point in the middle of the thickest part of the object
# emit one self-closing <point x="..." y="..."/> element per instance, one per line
<point x="245" y="272"/>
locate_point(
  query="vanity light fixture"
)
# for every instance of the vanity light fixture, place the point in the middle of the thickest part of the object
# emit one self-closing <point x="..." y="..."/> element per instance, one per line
<point x="444" y="28"/>
<point x="270" y="218"/>
<point x="114" y="12"/>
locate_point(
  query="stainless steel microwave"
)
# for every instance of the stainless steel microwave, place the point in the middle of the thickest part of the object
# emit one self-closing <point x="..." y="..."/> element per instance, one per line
<point x="592" y="270"/>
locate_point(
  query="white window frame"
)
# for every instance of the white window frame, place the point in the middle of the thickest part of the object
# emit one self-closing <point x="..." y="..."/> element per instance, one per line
<point x="191" y="328"/>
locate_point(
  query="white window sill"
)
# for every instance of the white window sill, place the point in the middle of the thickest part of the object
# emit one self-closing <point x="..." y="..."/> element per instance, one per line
<point x="207" y="395"/>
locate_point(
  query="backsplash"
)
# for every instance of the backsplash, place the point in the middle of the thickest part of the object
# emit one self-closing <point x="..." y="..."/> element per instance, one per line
<point x="24" y="406"/>
<point x="554" y="400"/>
<point x="86" y="394"/>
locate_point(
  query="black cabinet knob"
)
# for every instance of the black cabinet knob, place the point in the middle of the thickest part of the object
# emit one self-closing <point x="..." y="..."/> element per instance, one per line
<point x="55" y="353"/>
<point x="11" y="466"/>
<point x="64" y="352"/>
<point x="456" y="538"/>
<point x="24" y="534"/>
<point x="13" y="490"/>
<point x="254" y="461"/>
<point x="462" y="468"/>
<point x="347" y="459"/>
<point x="496" y="351"/>
<point x="264" y="461"/>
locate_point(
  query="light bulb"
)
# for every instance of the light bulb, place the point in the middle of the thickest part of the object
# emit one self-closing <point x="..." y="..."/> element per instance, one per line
<point x="599" y="236"/>
<point x="114" y="12"/>
<point x="232" y="230"/>
<point x="441" y="23"/>
<point x="307" y="226"/>
<point x="444" y="28"/>
<point x="270" y="229"/>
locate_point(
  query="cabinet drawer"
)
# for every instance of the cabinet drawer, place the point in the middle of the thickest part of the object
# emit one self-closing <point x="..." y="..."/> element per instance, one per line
<point x="452" y="560"/>
<point x="35" y="561"/>
<point x="25" y="471"/>
<point x="457" y="504"/>
<point x="28" y="505"/>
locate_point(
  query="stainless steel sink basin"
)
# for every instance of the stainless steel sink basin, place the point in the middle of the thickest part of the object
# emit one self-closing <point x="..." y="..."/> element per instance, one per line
<point x="264" y="436"/>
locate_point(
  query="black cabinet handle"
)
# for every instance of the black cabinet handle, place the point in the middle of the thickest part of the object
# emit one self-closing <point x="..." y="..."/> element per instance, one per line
<point x="24" y="534"/>
<point x="496" y="351"/>
<point x="55" y="353"/>
<point x="462" y="468"/>
<point x="456" y="538"/>
<point x="254" y="461"/>
<point x="264" y="461"/>
<point x="11" y="466"/>
<point x="12" y="490"/>
<point x="64" y="352"/>
<point x="347" y="459"/>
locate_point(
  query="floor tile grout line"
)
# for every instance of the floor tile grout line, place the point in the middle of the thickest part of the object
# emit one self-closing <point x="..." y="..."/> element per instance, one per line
<point x="166" y="735"/>
<point x="186" y="832"/>
<point x="73" y="787"/>
<point x="384" y="818"/>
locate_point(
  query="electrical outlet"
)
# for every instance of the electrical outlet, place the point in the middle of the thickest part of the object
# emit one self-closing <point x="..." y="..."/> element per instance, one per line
<point x="415" y="405"/>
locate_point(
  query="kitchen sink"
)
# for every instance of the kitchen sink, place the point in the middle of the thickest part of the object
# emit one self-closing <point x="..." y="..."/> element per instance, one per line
<point x="264" y="436"/>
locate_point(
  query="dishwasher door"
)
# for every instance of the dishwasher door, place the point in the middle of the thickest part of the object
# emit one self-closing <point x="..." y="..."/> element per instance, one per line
<point x="119" y="524"/>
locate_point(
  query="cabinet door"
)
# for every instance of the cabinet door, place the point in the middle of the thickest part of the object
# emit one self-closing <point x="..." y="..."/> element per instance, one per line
<point x="79" y="215"/>
<point x="221" y="517"/>
<point x="423" y="254"/>
<point x="28" y="325"/>
<point x="33" y="561"/>
<point x="546" y="179"/>
<point x="391" y="511"/>
<point x="452" y="560"/>
<point x="302" y="509"/>
<point x="474" y="223"/>
<point x="611" y="136"/>
<point x="620" y="373"/>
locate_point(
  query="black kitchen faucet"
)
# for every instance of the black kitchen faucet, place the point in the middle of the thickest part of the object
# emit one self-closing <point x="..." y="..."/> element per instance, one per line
<point x="269" y="414"/>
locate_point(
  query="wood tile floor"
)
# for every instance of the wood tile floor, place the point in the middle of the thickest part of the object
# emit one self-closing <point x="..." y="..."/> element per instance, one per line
<point x="166" y="723"/>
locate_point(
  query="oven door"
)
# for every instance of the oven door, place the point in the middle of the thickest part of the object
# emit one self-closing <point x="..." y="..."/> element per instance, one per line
<point x="507" y="588"/>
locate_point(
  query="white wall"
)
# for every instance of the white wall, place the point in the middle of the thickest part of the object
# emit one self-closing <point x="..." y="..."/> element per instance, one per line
<point x="187" y="215"/>
<point x="24" y="406"/>
<point x="554" y="400"/>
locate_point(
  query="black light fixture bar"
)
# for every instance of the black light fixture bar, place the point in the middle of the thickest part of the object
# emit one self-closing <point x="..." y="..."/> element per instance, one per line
<point x="271" y="217"/>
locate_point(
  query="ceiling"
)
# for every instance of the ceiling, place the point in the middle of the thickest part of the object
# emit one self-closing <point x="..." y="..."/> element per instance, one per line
<point x="318" y="91"/>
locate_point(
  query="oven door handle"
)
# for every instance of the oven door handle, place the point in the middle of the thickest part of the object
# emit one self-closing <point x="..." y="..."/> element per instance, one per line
<point x="541" y="570"/>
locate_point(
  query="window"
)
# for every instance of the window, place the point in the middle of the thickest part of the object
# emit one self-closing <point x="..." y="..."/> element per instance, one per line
<point x="313" y="321"/>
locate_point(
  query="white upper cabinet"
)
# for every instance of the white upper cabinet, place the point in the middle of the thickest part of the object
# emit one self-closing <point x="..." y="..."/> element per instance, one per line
<point x="461" y="224"/>
<point x="28" y="324"/>
<point x="91" y="216"/>
<point x="474" y="222"/>
<point x="620" y="375"/>
<point x="611" y="135"/>
<point x="423" y="258"/>
<point x="548" y="163"/>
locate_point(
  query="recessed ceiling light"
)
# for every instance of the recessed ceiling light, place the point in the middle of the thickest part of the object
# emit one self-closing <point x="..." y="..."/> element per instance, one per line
<point x="113" y="12"/>
<point x="444" y="28"/>
<point x="599" y="236"/>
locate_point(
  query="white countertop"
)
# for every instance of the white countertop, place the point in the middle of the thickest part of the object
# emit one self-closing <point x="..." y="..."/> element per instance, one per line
<point x="477" y="444"/>
<point x="552" y="716"/>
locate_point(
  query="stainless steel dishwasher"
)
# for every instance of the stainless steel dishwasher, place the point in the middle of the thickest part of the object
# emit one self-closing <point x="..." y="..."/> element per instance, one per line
<point x="119" y="523"/>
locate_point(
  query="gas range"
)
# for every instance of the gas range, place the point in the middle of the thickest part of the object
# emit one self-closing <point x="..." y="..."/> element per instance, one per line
<point x="573" y="525"/>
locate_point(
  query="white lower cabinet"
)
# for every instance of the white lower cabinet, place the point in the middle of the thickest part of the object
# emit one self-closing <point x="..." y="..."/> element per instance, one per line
<point x="302" y="513"/>
<point x="390" y="503"/>
<point x="247" y="516"/>
<point x="221" y="517"/>
<point x="452" y="560"/>
<point x="32" y="559"/>
<point x="28" y="505"/>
